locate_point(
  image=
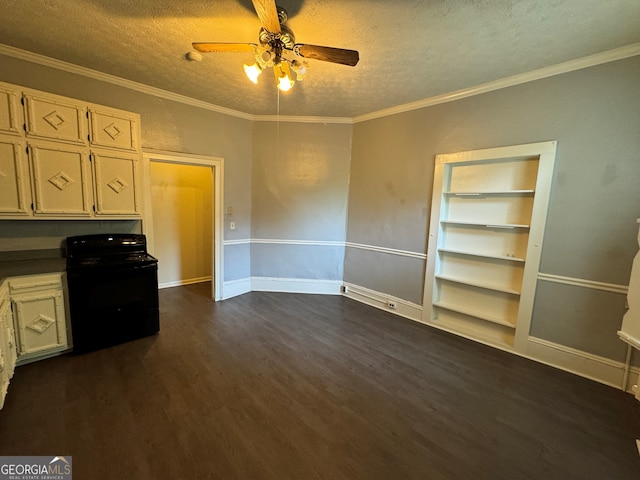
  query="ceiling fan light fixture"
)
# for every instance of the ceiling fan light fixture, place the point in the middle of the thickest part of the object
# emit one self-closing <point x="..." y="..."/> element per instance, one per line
<point x="300" y="69"/>
<point x="283" y="76"/>
<point x="277" y="49"/>
<point x="253" y="72"/>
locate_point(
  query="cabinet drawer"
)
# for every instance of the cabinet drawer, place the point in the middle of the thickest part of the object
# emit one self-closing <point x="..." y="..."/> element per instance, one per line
<point x="113" y="130"/>
<point x="55" y="119"/>
<point x="34" y="283"/>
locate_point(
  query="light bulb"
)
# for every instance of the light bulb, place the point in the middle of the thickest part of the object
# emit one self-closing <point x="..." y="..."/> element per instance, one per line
<point x="283" y="76"/>
<point x="285" y="83"/>
<point x="253" y="72"/>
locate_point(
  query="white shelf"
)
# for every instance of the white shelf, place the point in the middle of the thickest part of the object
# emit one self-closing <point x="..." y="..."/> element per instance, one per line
<point x="473" y="283"/>
<point x="502" y="340"/>
<point x="473" y="313"/>
<point x="486" y="194"/>
<point x="481" y="255"/>
<point x="487" y="218"/>
<point x="504" y="226"/>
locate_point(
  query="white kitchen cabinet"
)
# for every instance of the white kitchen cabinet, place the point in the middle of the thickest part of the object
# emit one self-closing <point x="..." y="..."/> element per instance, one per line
<point x="113" y="129"/>
<point x="61" y="179"/>
<point x="114" y="175"/>
<point x="14" y="176"/>
<point x="39" y="315"/>
<point x="55" y="179"/>
<point x="485" y="239"/>
<point x="8" y="352"/>
<point x="10" y="120"/>
<point x="55" y="118"/>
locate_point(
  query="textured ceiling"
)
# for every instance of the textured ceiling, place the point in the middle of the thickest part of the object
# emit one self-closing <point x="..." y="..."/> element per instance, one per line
<point x="409" y="49"/>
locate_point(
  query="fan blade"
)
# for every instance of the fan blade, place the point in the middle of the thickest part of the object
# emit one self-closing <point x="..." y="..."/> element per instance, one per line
<point x="207" y="47"/>
<point x="328" y="54"/>
<point x="268" y="15"/>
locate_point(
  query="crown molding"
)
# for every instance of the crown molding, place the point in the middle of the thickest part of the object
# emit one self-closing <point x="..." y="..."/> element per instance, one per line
<point x="558" y="69"/>
<point x="301" y="119"/>
<point x="553" y="70"/>
<point x="122" y="82"/>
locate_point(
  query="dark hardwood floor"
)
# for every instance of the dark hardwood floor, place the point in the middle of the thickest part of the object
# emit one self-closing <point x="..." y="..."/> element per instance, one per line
<point x="283" y="386"/>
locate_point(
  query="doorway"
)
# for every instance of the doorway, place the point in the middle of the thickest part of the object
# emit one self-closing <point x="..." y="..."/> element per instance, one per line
<point x="182" y="218"/>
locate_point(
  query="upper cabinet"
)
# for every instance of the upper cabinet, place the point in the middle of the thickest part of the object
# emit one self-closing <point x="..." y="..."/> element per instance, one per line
<point x="10" y="121"/>
<point x="14" y="186"/>
<point x="113" y="129"/>
<point x="115" y="176"/>
<point x="52" y="118"/>
<point x="60" y="179"/>
<point x="64" y="158"/>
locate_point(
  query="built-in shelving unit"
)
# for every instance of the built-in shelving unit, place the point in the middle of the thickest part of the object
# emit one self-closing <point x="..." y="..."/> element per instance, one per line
<point x="487" y="224"/>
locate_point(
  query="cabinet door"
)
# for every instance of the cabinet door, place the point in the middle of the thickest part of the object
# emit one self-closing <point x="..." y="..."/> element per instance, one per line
<point x="13" y="180"/>
<point x="55" y="118"/>
<point x="115" y="176"/>
<point x="7" y="335"/>
<point x="10" y="343"/>
<point x="60" y="177"/>
<point x="7" y="360"/>
<point x="9" y="120"/>
<point x="113" y="130"/>
<point x="40" y="322"/>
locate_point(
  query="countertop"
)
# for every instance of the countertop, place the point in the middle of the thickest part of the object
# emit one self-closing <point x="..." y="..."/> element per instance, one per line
<point x="31" y="262"/>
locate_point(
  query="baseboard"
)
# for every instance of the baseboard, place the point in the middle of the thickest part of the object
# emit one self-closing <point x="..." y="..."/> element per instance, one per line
<point x="578" y="362"/>
<point x="36" y="357"/>
<point x="296" y="285"/>
<point x="233" y="288"/>
<point x="380" y="300"/>
<point x="584" y="364"/>
<point x="179" y="283"/>
<point x="581" y="363"/>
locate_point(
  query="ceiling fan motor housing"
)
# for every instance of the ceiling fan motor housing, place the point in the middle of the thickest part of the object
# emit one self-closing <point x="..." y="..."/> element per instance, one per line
<point x="284" y="39"/>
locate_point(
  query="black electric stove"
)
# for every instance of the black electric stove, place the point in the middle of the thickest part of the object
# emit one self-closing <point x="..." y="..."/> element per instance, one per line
<point x="113" y="290"/>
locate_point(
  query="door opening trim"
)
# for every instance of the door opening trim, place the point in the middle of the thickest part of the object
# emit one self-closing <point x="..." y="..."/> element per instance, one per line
<point x="217" y="174"/>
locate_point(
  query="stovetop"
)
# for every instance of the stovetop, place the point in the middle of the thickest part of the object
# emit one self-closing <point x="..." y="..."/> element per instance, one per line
<point x="107" y="250"/>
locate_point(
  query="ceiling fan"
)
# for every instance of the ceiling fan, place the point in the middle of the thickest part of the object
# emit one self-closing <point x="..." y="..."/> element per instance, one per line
<point x="278" y="49"/>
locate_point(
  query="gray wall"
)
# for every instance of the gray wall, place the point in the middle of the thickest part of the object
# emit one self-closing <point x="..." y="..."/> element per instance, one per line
<point x="292" y="183"/>
<point x="165" y="125"/>
<point x="594" y="114"/>
<point x="300" y="190"/>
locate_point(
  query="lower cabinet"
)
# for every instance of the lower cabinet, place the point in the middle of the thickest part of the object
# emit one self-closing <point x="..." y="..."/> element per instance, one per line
<point x="33" y="322"/>
<point x="39" y="315"/>
<point x="8" y="351"/>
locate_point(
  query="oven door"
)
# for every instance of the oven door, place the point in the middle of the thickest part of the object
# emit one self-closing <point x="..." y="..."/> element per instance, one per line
<point x="112" y="304"/>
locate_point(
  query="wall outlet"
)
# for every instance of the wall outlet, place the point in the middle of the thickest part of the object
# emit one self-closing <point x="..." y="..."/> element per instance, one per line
<point x="391" y="304"/>
<point x="344" y="289"/>
<point x="232" y="225"/>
